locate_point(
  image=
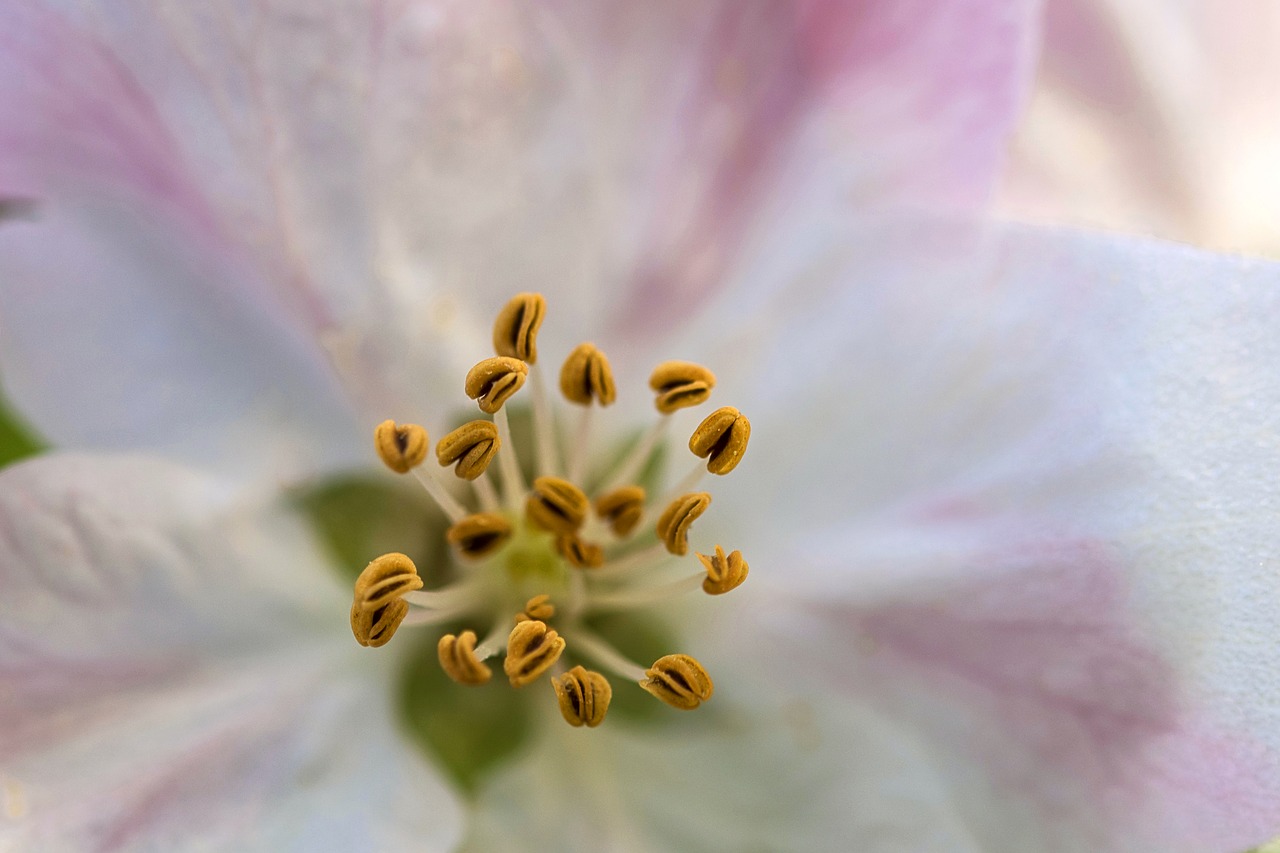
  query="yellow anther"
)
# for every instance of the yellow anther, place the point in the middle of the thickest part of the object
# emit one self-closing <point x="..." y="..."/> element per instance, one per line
<point x="556" y="505"/>
<point x="472" y="445"/>
<point x="377" y="608"/>
<point x="586" y="376"/>
<point x="492" y="382"/>
<point x="723" y="573"/>
<point x="584" y="696"/>
<point x="515" y="332"/>
<point x="680" y="384"/>
<point x="579" y="553"/>
<point x="531" y="650"/>
<point x="401" y="446"/>
<point x="678" y="517"/>
<point x="678" y="680"/>
<point x="622" y="508"/>
<point x="479" y="534"/>
<point x="458" y="659"/>
<point x="721" y="439"/>
<point x="539" y="607"/>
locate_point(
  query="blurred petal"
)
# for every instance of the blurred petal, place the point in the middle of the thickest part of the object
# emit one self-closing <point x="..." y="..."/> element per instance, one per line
<point x="1038" y="470"/>
<point x="173" y="678"/>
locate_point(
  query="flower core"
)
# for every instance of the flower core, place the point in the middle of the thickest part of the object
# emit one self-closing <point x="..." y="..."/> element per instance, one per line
<point x="537" y="560"/>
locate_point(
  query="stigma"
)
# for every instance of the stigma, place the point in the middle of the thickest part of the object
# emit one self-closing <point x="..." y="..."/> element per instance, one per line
<point x="535" y="559"/>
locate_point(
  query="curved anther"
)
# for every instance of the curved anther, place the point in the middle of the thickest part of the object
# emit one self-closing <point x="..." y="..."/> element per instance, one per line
<point x="622" y="508"/>
<point x="458" y="659"/>
<point x="678" y="517"/>
<point x="531" y="650"/>
<point x="723" y="573"/>
<point x="377" y="608"/>
<point x="515" y="332"/>
<point x="401" y="446"/>
<point x="480" y="534"/>
<point x="537" y="608"/>
<point x="492" y="382"/>
<point x="580" y="553"/>
<point x="721" y="439"/>
<point x="557" y="505"/>
<point x="678" y="680"/>
<point x="680" y="384"/>
<point x="584" y="696"/>
<point x="586" y="376"/>
<point x="472" y="446"/>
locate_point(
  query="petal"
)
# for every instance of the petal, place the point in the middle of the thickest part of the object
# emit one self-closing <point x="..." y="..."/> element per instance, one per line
<point x="180" y="674"/>
<point x="1034" y="468"/>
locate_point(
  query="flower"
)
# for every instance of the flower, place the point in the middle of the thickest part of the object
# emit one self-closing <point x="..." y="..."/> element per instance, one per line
<point x="1009" y="570"/>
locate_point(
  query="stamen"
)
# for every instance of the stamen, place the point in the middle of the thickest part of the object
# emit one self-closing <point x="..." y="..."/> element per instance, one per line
<point x="472" y="446"/>
<point x="478" y="535"/>
<point x="645" y="597"/>
<point x="584" y="697"/>
<point x="678" y="517"/>
<point x="680" y="384"/>
<point x="538" y="608"/>
<point x="581" y="448"/>
<point x="638" y="455"/>
<point x="492" y="382"/>
<point x="512" y="479"/>
<point x="544" y="438"/>
<point x="485" y="492"/>
<point x="622" y="508"/>
<point x="606" y="655"/>
<point x="579" y="553"/>
<point x="458" y="659"/>
<point x="401" y="446"/>
<point x="531" y="650"/>
<point x="678" y="680"/>
<point x="556" y="505"/>
<point x="644" y="558"/>
<point x="723" y="573"/>
<point x="586" y="376"/>
<point x="515" y="332"/>
<point x="378" y="607"/>
<point x="440" y="493"/>
<point x="721" y="439"/>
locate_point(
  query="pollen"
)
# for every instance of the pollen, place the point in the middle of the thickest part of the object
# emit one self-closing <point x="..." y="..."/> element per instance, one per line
<point x="377" y="608"/>
<point x="557" y="505"/>
<point x="402" y="447"/>
<point x="458" y="659"/>
<point x="678" y="517"/>
<point x="723" y="573"/>
<point x="532" y="648"/>
<point x="471" y="446"/>
<point x="678" y="680"/>
<point x="493" y="381"/>
<point x="584" y="697"/>
<point x="586" y="376"/>
<point x="478" y="535"/>
<point x="681" y="384"/>
<point x="721" y="439"/>
<point x="515" y="332"/>
<point x="622" y="508"/>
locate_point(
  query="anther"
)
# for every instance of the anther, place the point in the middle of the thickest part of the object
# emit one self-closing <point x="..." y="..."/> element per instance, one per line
<point x="723" y="573"/>
<point x="580" y="553"/>
<point x="472" y="446"/>
<point x="622" y="508"/>
<point x="515" y="332"/>
<point x="678" y="680"/>
<point x="531" y="650"/>
<point x="680" y="384"/>
<point x="458" y="659"/>
<point x="583" y="695"/>
<point x="537" y="608"/>
<point x="586" y="376"/>
<point x="377" y="608"/>
<point x="479" y="534"/>
<point x="557" y="505"/>
<point x="678" y="517"/>
<point x="401" y="446"/>
<point x="492" y="382"/>
<point x="721" y="439"/>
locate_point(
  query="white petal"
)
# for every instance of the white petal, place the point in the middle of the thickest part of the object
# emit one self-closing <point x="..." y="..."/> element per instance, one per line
<point x="179" y="674"/>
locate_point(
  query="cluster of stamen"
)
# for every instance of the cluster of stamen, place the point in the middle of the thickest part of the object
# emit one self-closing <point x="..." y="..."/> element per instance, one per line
<point x="580" y="553"/>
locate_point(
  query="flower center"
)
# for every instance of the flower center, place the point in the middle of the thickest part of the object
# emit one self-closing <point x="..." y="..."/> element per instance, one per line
<point x="538" y="561"/>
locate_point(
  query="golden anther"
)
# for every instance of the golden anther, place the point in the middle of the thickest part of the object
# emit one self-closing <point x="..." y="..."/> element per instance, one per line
<point x="377" y="608"/>
<point x="579" y="553"/>
<point x="678" y="680"/>
<point x="723" y="573"/>
<point x="472" y="445"/>
<point x="586" y="376"/>
<point x="678" y="517"/>
<point x="492" y="382"/>
<point x="515" y="332"/>
<point x="681" y="384"/>
<point x="539" y="607"/>
<point x="584" y="696"/>
<point x="622" y="508"/>
<point x="479" y="534"/>
<point x="721" y="439"/>
<point x="458" y="659"/>
<point x="401" y="446"/>
<point x="556" y="505"/>
<point x="531" y="650"/>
